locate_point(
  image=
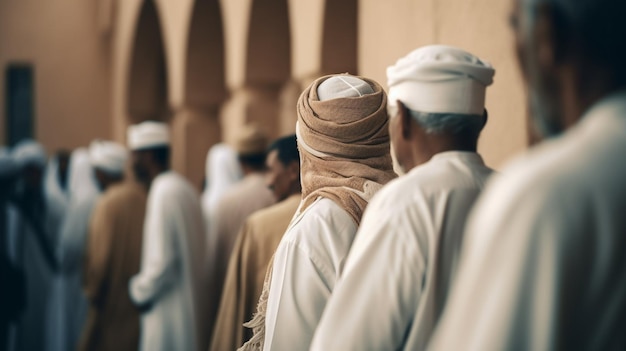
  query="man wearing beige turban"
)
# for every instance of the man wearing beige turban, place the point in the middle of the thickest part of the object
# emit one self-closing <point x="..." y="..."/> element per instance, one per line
<point x="344" y="148"/>
<point x="401" y="265"/>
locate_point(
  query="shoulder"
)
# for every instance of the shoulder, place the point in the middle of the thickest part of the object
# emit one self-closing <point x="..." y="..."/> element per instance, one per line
<point x="322" y="224"/>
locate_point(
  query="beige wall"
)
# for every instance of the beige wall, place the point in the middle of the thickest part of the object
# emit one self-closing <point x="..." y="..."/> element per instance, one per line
<point x="391" y="29"/>
<point x="66" y="42"/>
<point x="209" y="66"/>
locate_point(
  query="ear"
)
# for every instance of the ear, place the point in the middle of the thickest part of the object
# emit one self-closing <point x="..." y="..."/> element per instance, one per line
<point x="405" y="120"/>
<point x="294" y="170"/>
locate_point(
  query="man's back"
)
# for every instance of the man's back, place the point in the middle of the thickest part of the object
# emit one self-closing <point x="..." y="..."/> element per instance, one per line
<point x="172" y="269"/>
<point x="306" y="266"/>
<point x="114" y="253"/>
<point x="403" y="258"/>
<point x="544" y="264"/>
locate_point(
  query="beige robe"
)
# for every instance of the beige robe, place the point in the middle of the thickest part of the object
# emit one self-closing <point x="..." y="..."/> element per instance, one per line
<point x="112" y="258"/>
<point x="256" y="243"/>
<point x="244" y="198"/>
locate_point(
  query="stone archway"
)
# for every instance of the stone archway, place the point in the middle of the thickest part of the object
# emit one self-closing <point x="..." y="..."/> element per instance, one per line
<point x="147" y="82"/>
<point x="196" y="124"/>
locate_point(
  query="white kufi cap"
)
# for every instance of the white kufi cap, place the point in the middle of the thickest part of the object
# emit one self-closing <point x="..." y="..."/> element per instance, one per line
<point x="108" y="156"/>
<point x="147" y="135"/>
<point x="343" y="86"/>
<point x="440" y="79"/>
<point x="29" y="152"/>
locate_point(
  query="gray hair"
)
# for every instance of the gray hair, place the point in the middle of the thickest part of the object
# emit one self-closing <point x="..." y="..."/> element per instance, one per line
<point x="439" y="123"/>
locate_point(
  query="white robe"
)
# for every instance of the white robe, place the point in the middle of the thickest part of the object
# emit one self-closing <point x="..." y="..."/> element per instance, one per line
<point x="172" y="274"/>
<point x="403" y="258"/>
<point x="544" y="263"/>
<point x="68" y="312"/>
<point x="307" y="264"/>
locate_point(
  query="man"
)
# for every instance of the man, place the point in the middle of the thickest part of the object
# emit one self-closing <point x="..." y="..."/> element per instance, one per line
<point x="544" y="262"/>
<point x="112" y="259"/>
<point x="32" y="245"/>
<point x="404" y="256"/>
<point x="241" y="200"/>
<point x="344" y="148"/>
<point x="12" y="277"/>
<point x="168" y="287"/>
<point x="256" y="244"/>
<point x="105" y="164"/>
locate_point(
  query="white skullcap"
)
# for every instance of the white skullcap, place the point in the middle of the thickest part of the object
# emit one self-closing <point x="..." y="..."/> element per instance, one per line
<point x="440" y="79"/>
<point x="8" y="166"/>
<point x="108" y="156"/>
<point x="29" y="152"/>
<point x="147" y="135"/>
<point x="343" y="86"/>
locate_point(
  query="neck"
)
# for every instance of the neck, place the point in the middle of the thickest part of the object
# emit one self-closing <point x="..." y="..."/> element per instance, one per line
<point x="430" y="145"/>
<point x="155" y="172"/>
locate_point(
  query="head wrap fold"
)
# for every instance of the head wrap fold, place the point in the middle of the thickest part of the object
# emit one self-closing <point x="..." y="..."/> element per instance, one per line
<point x="344" y="147"/>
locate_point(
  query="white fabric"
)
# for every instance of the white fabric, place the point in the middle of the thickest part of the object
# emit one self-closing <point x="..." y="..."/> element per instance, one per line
<point x="29" y="152"/>
<point x="403" y="258"/>
<point x="222" y="171"/>
<point x="147" y="135"/>
<point x="307" y="264"/>
<point x="543" y="266"/>
<point x="172" y="270"/>
<point x="108" y="156"/>
<point x="70" y="305"/>
<point x="343" y="86"/>
<point x="440" y="79"/>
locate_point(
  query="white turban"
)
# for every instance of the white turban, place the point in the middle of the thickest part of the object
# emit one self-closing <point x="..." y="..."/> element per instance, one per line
<point x="29" y="152"/>
<point x="8" y="166"/>
<point x="108" y="156"/>
<point x="147" y="135"/>
<point x="440" y="79"/>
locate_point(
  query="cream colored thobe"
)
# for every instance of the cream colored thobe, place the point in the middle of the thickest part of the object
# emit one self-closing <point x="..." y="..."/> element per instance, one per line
<point x="543" y="266"/>
<point x="401" y="264"/>
<point x="253" y="251"/>
<point x="307" y="264"/>
<point x="171" y="279"/>
<point x="112" y="257"/>
<point x="249" y="195"/>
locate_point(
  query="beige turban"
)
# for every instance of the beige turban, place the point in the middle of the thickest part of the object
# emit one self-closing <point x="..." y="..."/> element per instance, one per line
<point x="343" y="142"/>
<point x="440" y="79"/>
<point x="251" y="141"/>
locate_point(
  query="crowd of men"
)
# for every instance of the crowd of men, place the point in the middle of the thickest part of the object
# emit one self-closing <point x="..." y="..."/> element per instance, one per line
<point x="376" y="226"/>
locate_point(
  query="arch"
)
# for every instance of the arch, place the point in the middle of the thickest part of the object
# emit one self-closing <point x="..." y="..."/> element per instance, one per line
<point x="204" y="72"/>
<point x="147" y="90"/>
<point x="340" y="37"/>
<point x="268" y="59"/>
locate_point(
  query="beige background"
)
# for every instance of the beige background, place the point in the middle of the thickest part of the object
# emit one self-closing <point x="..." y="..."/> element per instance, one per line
<point x="210" y="66"/>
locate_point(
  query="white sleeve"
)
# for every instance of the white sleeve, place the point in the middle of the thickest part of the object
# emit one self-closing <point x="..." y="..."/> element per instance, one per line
<point x="373" y="303"/>
<point x="298" y="293"/>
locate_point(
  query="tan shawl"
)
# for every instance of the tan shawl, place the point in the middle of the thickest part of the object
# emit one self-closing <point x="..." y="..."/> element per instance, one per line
<point x="344" y="153"/>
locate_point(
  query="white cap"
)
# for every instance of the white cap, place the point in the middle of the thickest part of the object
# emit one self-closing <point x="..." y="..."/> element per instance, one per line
<point x="343" y="86"/>
<point x="440" y="79"/>
<point x="148" y="134"/>
<point x="29" y="152"/>
<point x="8" y="166"/>
<point x="108" y="156"/>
